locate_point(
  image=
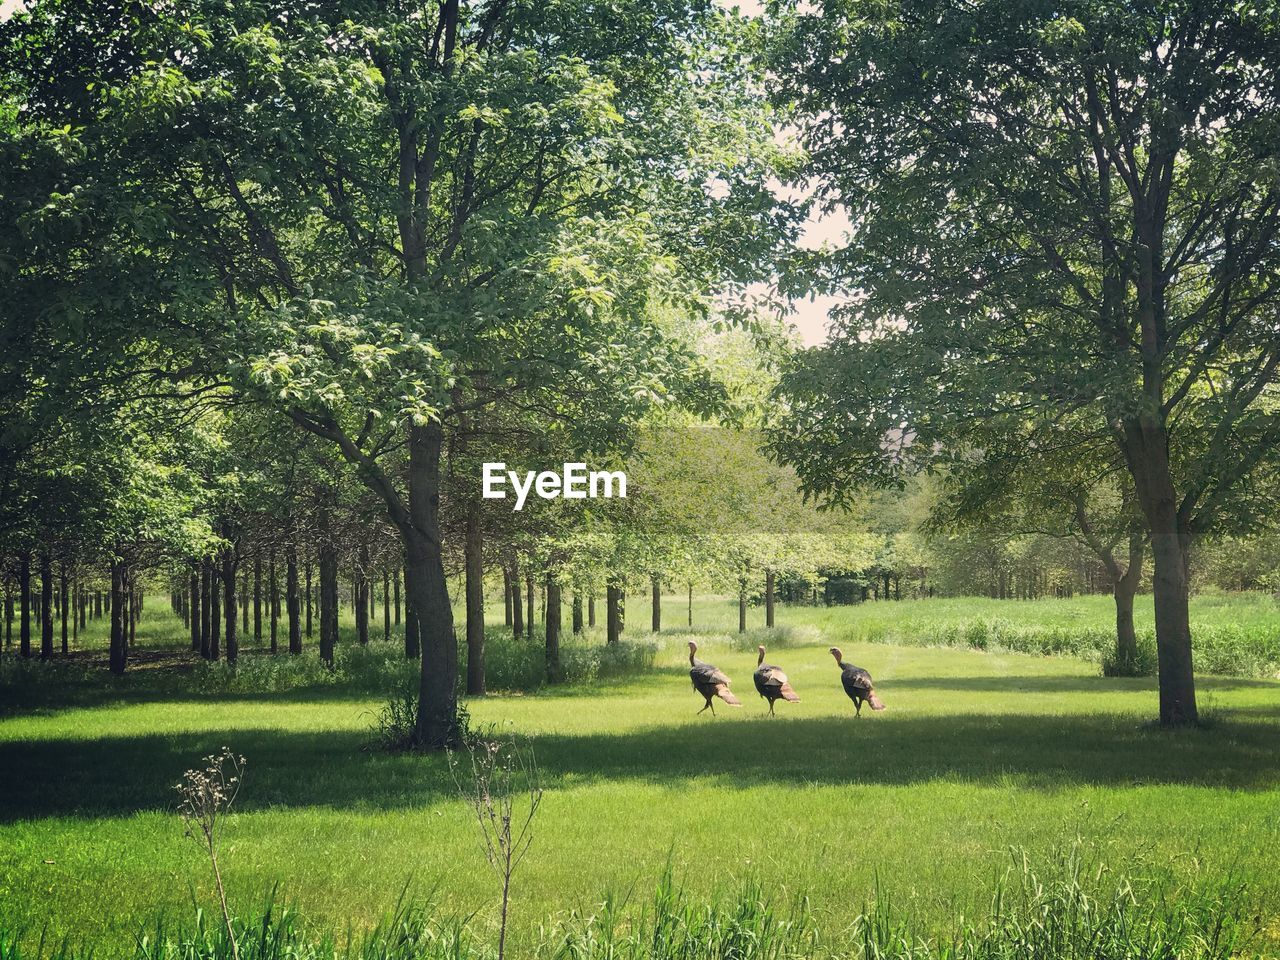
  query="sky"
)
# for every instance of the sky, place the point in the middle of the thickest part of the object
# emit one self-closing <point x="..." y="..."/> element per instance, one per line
<point x="810" y="315"/>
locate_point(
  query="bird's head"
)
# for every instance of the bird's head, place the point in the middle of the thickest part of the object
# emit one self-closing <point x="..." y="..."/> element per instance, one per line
<point x="760" y="650"/>
<point x="835" y="652"/>
<point x="693" y="646"/>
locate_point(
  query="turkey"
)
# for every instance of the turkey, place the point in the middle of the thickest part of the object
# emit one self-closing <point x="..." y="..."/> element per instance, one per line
<point x="772" y="683"/>
<point x="709" y="681"/>
<point x="857" y="683"/>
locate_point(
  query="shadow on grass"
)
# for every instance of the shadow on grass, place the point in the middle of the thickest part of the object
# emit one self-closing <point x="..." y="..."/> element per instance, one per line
<point x="118" y="776"/>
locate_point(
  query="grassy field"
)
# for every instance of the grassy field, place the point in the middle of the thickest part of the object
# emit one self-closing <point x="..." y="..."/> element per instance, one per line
<point x="977" y="753"/>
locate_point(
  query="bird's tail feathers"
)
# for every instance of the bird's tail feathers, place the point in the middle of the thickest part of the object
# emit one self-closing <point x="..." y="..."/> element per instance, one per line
<point x="788" y="694"/>
<point x="725" y="694"/>
<point x="874" y="702"/>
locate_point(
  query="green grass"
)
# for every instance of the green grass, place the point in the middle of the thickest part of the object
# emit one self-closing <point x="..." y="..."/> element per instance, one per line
<point x="1233" y="634"/>
<point x="1065" y="908"/>
<point x="977" y="752"/>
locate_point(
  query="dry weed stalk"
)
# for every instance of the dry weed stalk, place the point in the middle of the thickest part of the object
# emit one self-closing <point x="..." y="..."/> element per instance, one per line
<point x="206" y="795"/>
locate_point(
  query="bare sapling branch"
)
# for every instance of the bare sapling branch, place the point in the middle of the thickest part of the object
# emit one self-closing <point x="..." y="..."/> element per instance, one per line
<point x="208" y="794"/>
<point x="503" y="788"/>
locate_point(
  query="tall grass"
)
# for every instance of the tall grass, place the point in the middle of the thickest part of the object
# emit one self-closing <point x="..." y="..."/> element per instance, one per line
<point x="521" y="664"/>
<point x="1072" y="909"/>
<point x="1236" y="635"/>
<point x="1072" y="912"/>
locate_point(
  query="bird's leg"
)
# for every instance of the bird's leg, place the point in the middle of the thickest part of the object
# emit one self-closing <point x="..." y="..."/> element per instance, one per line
<point x="704" y="707"/>
<point x="857" y="708"/>
<point x="771" y="708"/>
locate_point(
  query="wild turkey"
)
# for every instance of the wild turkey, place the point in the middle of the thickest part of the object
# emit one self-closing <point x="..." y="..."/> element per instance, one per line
<point x="857" y="683"/>
<point x="709" y="681"/>
<point x="772" y="683"/>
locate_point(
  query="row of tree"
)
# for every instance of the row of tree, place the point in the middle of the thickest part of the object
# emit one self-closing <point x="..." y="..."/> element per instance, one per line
<point x="280" y="275"/>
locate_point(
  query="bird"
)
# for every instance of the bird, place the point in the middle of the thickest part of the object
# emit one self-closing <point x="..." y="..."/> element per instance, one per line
<point x="709" y="681"/>
<point x="857" y="683"/>
<point x="772" y="683"/>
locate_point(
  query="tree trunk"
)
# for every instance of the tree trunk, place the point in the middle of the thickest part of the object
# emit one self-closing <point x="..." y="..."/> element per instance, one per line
<point x="412" y="635"/>
<point x="229" y="612"/>
<point x="613" y="617"/>
<point x="309" y="595"/>
<point x="1124" y="586"/>
<point x="506" y="596"/>
<point x="386" y="604"/>
<point x="529" y="618"/>
<point x="1147" y="454"/>
<point x="691" y="603"/>
<point x="553" y="631"/>
<point x="656" y="618"/>
<point x="591" y="609"/>
<point x="1126" y="639"/>
<point x="292" y="602"/>
<point x="1173" y="630"/>
<point x="768" y="599"/>
<point x="742" y="608"/>
<point x="195" y="606"/>
<point x="328" y="596"/>
<point x="577" y="613"/>
<point x="215" y="615"/>
<point x="473" y="560"/>
<point x="257" y="596"/>
<point x="517" y="605"/>
<point x="395" y="586"/>
<point x="66" y="627"/>
<point x="244" y="602"/>
<point x="117" y="647"/>
<point x="437" y="719"/>
<point x="273" y="599"/>
<point x="206" y="605"/>
<point x="360" y="588"/>
<point x="46" y="606"/>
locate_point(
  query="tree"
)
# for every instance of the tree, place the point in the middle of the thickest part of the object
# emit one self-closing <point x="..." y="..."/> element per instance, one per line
<point x="382" y="220"/>
<point x="1065" y="211"/>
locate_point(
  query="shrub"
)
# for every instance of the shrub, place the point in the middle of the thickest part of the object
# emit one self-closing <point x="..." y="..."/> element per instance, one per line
<point x="512" y="664"/>
<point x="395" y="723"/>
<point x="375" y="667"/>
<point x="1144" y="664"/>
<point x="790" y="635"/>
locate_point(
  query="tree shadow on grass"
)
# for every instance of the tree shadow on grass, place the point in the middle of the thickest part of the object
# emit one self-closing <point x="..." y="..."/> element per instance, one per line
<point x="49" y="700"/>
<point x="122" y="775"/>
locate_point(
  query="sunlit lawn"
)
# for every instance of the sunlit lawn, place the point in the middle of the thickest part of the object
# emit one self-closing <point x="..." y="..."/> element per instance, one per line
<point x="976" y="753"/>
